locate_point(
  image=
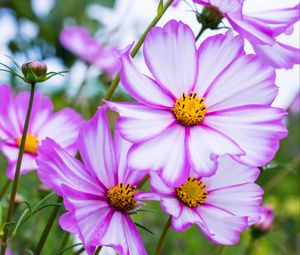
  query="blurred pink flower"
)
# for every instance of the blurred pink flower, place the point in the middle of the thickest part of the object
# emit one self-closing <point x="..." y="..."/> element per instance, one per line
<point x="63" y="126"/>
<point x="201" y="104"/>
<point x="295" y="105"/>
<point x="78" y="41"/>
<point x="222" y="205"/>
<point x="266" y="221"/>
<point x="261" y="29"/>
<point x="98" y="193"/>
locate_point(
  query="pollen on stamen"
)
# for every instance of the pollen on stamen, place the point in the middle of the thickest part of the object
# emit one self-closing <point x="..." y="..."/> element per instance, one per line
<point x="189" y="109"/>
<point x="121" y="197"/>
<point x="31" y="144"/>
<point x="192" y="193"/>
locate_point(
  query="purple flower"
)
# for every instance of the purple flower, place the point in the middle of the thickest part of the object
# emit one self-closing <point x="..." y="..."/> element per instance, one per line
<point x="63" y="126"/>
<point x="98" y="193"/>
<point x="266" y="221"/>
<point x="222" y="205"/>
<point x="78" y="41"/>
<point x="261" y="29"/>
<point x="201" y="104"/>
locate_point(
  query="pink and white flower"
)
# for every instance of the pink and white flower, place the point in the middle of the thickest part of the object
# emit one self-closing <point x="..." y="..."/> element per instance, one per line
<point x="201" y="103"/>
<point x="63" y="126"/>
<point x="98" y="193"/>
<point x="222" y="205"/>
<point x="266" y="221"/>
<point x="261" y="29"/>
<point x="78" y="41"/>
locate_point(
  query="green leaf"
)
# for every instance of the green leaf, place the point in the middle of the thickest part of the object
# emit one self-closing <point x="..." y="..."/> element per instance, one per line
<point x="160" y="7"/>
<point x="145" y="228"/>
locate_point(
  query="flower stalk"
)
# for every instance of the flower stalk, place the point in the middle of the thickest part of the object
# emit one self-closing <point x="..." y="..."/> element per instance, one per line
<point x="17" y="173"/>
<point x="136" y="48"/>
<point x="162" y="237"/>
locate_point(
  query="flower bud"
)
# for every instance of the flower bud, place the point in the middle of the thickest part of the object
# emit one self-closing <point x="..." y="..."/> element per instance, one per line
<point x="265" y="223"/>
<point x="210" y="17"/>
<point x="34" y="71"/>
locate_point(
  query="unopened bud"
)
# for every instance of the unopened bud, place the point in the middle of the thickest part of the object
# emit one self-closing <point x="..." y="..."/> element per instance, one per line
<point x="265" y="223"/>
<point x="34" y="71"/>
<point x="210" y="17"/>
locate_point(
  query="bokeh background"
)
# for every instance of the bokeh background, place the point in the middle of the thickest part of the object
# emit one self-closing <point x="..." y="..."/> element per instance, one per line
<point x="30" y="30"/>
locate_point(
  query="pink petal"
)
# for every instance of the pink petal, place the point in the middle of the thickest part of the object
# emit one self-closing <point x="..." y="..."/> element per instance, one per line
<point x="186" y="219"/>
<point x="172" y="206"/>
<point x="256" y="129"/>
<point x="164" y="153"/>
<point x="204" y="145"/>
<point x="240" y="200"/>
<point x="92" y="214"/>
<point x="147" y="196"/>
<point x="230" y="173"/>
<point x="63" y="127"/>
<point x="159" y="186"/>
<point x="278" y="55"/>
<point x="140" y="123"/>
<point x="245" y="81"/>
<point x="221" y="226"/>
<point x="68" y="223"/>
<point x="57" y="167"/>
<point x="214" y="55"/>
<point x="142" y="88"/>
<point x="97" y="149"/>
<point x="122" y="235"/>
<point x="227" y="5"/>
<point x="170" y="54"/>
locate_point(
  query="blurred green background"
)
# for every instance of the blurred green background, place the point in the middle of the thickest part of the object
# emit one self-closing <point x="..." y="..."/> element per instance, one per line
<point x="280" y="179"/>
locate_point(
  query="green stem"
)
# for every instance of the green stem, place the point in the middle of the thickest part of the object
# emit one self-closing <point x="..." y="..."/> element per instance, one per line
<point x="250" y="246"/>
<point x="65" y="240"/>
<point x="97" y="251"/>
<point x="4" y="189"/>
<point x="162" y="237"/>
<point x="79" y="251"/>
<point x="203" y="28"/>
<point x="143" y="181"/>
<point x="13" y="193"/>
<point x="220" y="252"/>
<point x="136" y="48"/>
<point x="48" y="227"/>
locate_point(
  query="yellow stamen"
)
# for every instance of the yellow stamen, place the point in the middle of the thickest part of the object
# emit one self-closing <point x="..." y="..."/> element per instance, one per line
<point x="192" y="192"/>
<point x="189" y="110"/>
<point x="31" y="144"/>
<point x="121" y="197"/>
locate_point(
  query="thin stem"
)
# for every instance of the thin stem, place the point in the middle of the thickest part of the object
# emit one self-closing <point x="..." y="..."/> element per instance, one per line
<point x="79" y="251"/>
<point x="143" y="181"/>
<point x="162" y="237"/>
<point x="203" y="28"/>
<point x="220" y="252"/>
<point x="13" y="193"/>
<point x="250" y="246"/>
<point x="48" y="227"/>
<point x="4" y="189"/>
<point x="97" y="251"/>
<point x="65" y="240"/>
<point x="136" y="48"/>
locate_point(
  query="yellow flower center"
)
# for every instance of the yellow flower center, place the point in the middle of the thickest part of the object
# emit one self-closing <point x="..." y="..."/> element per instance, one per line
<point x="121" y="197"/>
<point x="31" y="144"/>
<point x="192" y="192"/>
<point x="189" y="110"/>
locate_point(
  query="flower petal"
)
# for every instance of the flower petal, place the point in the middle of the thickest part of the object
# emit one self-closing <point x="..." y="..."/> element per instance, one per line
<point x="241" y="200"/>
<point x="230" y="173"/>
<point x="214" y="55"/>
<point x="140" y="123"/>
<point x="142" y="88"/>
<point x="164" y="153"/>
<point x="204" y="145"/>
<point x="170" y="54"/>
<point x="221" y="226"/>
<point x="257" y="129"/>
<point x="171" y="205"/>
<point x="57" y="167"/>
<point x="122" y="235"/>
<point x="71" y="122"/>
<point x="68" y="223"/>
<point x="159" y="186"/>
<point x="245" y="81"/>
<point x="278" y="55"/>
<point x="97" y="149"/>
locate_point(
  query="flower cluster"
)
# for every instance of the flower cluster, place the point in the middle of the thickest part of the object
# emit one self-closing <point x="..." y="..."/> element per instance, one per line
<point x="201" y="126"/>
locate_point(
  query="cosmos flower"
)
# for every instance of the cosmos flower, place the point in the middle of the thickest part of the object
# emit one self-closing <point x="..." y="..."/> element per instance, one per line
<point x="222" y="205"/>
<point x="78" y="41"/>
<point x="201" y="104"/>
<point x="63" y="126"/>
<point x="266" y="221"/>
<point x="260" y="29"/>
<point x="98" y="193"/>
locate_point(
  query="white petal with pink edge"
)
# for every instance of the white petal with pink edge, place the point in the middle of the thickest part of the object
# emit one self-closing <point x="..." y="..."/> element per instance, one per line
<point x="170" y="54"/>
